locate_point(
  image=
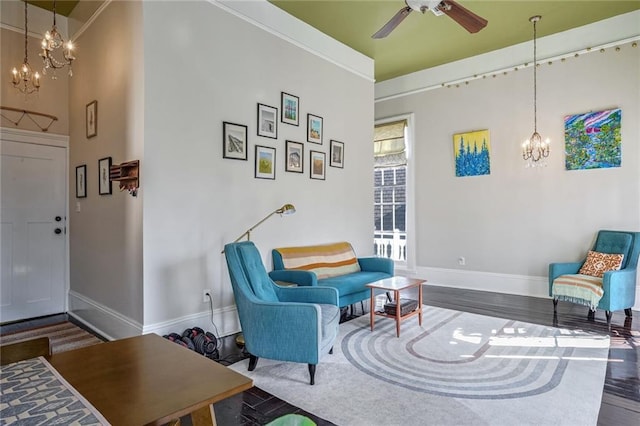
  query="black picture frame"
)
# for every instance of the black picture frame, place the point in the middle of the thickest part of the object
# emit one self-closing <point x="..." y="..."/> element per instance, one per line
<point x="336" y="154"/>
<point x="267" y="121"/>
<point x="294" y="157"/>
<point x="104" y="182"/>
<point x="265" y="163"/>
<point x="314" y="128"/>
<point x="289" y="109"/>
<point x="317" y="165"/>
<point x="91" y="119"/>
<point x="81" y="181"/>
<point x="234" y="141"/>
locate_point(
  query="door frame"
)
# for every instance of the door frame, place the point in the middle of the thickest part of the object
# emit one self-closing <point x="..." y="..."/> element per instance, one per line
<point x="60" y="141"/>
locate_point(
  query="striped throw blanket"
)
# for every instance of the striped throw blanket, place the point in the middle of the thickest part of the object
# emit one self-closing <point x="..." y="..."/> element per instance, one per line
<point x="327" y="260"/>
<point x="578" y="288"/>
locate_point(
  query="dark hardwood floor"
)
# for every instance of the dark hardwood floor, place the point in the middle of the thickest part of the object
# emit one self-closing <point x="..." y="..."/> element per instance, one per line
<point x="620" y="404"/>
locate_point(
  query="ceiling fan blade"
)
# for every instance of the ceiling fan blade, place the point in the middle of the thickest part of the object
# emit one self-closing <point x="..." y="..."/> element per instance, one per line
<point x="393" y="22"/>
<point x="466" y="18"/>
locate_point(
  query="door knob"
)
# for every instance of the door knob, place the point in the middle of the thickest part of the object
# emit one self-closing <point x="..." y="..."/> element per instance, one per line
<point x="58" y="218"/>
<point x="58" y="231"/>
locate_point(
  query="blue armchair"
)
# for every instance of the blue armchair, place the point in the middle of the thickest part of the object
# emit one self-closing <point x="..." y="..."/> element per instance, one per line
<point x="619" y="286"/>
<point x="296" y="324"/>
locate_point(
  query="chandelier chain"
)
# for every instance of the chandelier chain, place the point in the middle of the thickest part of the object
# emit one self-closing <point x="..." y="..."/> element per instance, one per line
<point x="535" y="80"/>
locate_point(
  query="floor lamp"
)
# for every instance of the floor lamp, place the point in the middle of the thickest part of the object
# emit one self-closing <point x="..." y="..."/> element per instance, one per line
<point x="285" y="210"/>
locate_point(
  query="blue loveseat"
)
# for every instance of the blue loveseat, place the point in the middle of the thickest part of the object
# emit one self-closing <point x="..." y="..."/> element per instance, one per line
<point x="330" y="265"/>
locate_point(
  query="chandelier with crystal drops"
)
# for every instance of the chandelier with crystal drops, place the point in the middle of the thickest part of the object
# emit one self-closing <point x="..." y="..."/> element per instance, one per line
<point x="535" y="149"/>
<point x="24" y="78"/>
<point x="56" y="53"/>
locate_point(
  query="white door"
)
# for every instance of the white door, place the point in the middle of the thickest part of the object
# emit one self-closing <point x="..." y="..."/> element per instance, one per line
<point x="33" y="251"/>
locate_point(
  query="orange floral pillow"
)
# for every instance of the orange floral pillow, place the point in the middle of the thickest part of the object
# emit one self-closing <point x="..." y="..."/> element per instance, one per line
<point x="599" y="263"/>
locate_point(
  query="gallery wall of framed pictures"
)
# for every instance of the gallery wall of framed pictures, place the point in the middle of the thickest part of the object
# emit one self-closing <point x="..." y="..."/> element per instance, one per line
<point x="236" y="141"/>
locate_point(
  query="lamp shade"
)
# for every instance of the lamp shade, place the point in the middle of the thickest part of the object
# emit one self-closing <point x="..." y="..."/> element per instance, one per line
<point x="286" y="209"/>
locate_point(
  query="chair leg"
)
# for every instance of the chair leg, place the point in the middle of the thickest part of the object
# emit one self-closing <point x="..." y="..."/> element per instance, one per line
<point x="331" y="351"/>
<point x="312" y="373"/>
<point x="253" y="361"/>
<point x="591" y="315"/>
<point x="627" y="312"/>
<point x="555" y="305"/>
<point x="608" y="315"/>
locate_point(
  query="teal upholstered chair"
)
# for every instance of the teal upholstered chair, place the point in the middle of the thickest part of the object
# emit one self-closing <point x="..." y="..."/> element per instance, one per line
<point x="296" y="324"/>
<point x="619" y="286"/>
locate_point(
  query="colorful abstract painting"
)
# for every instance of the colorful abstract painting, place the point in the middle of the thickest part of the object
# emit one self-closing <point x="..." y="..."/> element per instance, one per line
<point x="592" y="140"/>
<point x="472" y="152"/>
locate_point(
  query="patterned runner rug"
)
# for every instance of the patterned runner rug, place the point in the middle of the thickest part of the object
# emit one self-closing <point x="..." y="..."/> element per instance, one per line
<point x="457" y="369"/>
<point x="63" y="337"/>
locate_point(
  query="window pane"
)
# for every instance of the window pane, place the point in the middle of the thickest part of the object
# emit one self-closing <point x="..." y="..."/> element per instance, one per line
<point x="388" y="176"/>
<point x="377" y="219"/>
<point x="400" y="194"/>
<point x="387" y="218"/>
<point x="401" y="176"/>
<point x="400" y="217"/>
<point x="387" y="195"/>
<point x="377" y="177"/>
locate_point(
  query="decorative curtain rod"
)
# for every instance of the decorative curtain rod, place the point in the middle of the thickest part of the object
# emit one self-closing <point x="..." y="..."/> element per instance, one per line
<point x="29" y="115"/>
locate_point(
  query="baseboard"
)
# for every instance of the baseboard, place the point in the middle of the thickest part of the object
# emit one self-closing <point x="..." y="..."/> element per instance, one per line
<point x="113" y="325"/>
<point x="521" y="285"/>
<point x="225" y="319"/>
<point x="104" y="320"/>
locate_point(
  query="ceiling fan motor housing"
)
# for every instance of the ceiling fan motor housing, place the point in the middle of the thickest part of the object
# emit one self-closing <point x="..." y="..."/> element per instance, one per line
<point x="424" y="5"/>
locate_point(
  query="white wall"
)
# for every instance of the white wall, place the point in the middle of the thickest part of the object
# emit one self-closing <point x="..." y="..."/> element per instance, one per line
<point x="510" y="224"/>
<point x="106" y="233"/>
<point x="204" y="66"/>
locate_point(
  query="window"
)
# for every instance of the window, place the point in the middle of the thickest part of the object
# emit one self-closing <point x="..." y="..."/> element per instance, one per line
<point x="390" y="191"/>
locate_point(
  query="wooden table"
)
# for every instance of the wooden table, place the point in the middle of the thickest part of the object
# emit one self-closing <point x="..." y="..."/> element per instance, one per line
<point x="396" y="285"/>
<point x="148" y="380"/>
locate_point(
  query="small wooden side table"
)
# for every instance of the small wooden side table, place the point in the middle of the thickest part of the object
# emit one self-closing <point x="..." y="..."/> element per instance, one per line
<point x="396" y="284"/>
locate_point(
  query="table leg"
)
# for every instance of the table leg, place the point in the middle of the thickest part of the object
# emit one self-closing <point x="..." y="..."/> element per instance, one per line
<point x="204" y="416"/>
<point x="420" y="304"/>
<point x="396" y="295"/>
<point x="373" y="305"/>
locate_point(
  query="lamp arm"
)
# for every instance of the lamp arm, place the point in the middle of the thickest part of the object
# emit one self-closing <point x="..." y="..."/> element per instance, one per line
<point x="248" y="231"/>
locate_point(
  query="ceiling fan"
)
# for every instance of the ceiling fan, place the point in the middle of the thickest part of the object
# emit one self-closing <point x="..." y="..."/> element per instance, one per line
<point x="467" y="19"/>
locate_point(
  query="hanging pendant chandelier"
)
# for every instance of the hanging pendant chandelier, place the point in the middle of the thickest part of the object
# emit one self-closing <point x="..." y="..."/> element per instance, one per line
<point x="56" y="53"/>
<point x="534" y="149"/>
<point x="24" y="78"/>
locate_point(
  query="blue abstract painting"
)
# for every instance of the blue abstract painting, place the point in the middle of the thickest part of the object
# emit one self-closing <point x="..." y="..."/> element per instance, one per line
<point x="593" y="140"/>
<point x="472" y="152"/>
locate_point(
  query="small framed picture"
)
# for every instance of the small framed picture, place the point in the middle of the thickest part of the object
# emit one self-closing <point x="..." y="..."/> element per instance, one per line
<point x="295" y="155"/>
<point x="314" y="128"/>
<point x="317" y="165"/>
<point x="92" y="119"/>
<point x="265" y="162"/>
<point x="289" y="108"/>
<point x="104" y="183"/>
<point x="234" y="141"/>
<point x="267" y="121"/>
<point x="336" y="154"/>
<point x="81" y="181"/>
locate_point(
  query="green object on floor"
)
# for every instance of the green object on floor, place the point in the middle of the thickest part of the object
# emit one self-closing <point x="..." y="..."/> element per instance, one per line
<point x="292" y="420"/>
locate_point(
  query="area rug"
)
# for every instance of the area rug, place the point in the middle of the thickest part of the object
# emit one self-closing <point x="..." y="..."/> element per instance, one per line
<point x="456" y="369"/>
<point x="62" y="337"/>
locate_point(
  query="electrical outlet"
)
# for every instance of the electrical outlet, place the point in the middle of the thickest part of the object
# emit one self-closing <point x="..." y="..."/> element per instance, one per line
<point x="462" y="261"/>
<point x="205" y="294"/>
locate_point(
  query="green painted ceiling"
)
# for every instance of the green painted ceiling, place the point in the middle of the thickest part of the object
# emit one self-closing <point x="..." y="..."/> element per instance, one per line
<point x="63" y="7"/>
<point x="424" y="41"/>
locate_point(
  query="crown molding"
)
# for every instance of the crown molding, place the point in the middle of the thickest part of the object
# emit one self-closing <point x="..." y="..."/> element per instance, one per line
<point x="607" y="33"/>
